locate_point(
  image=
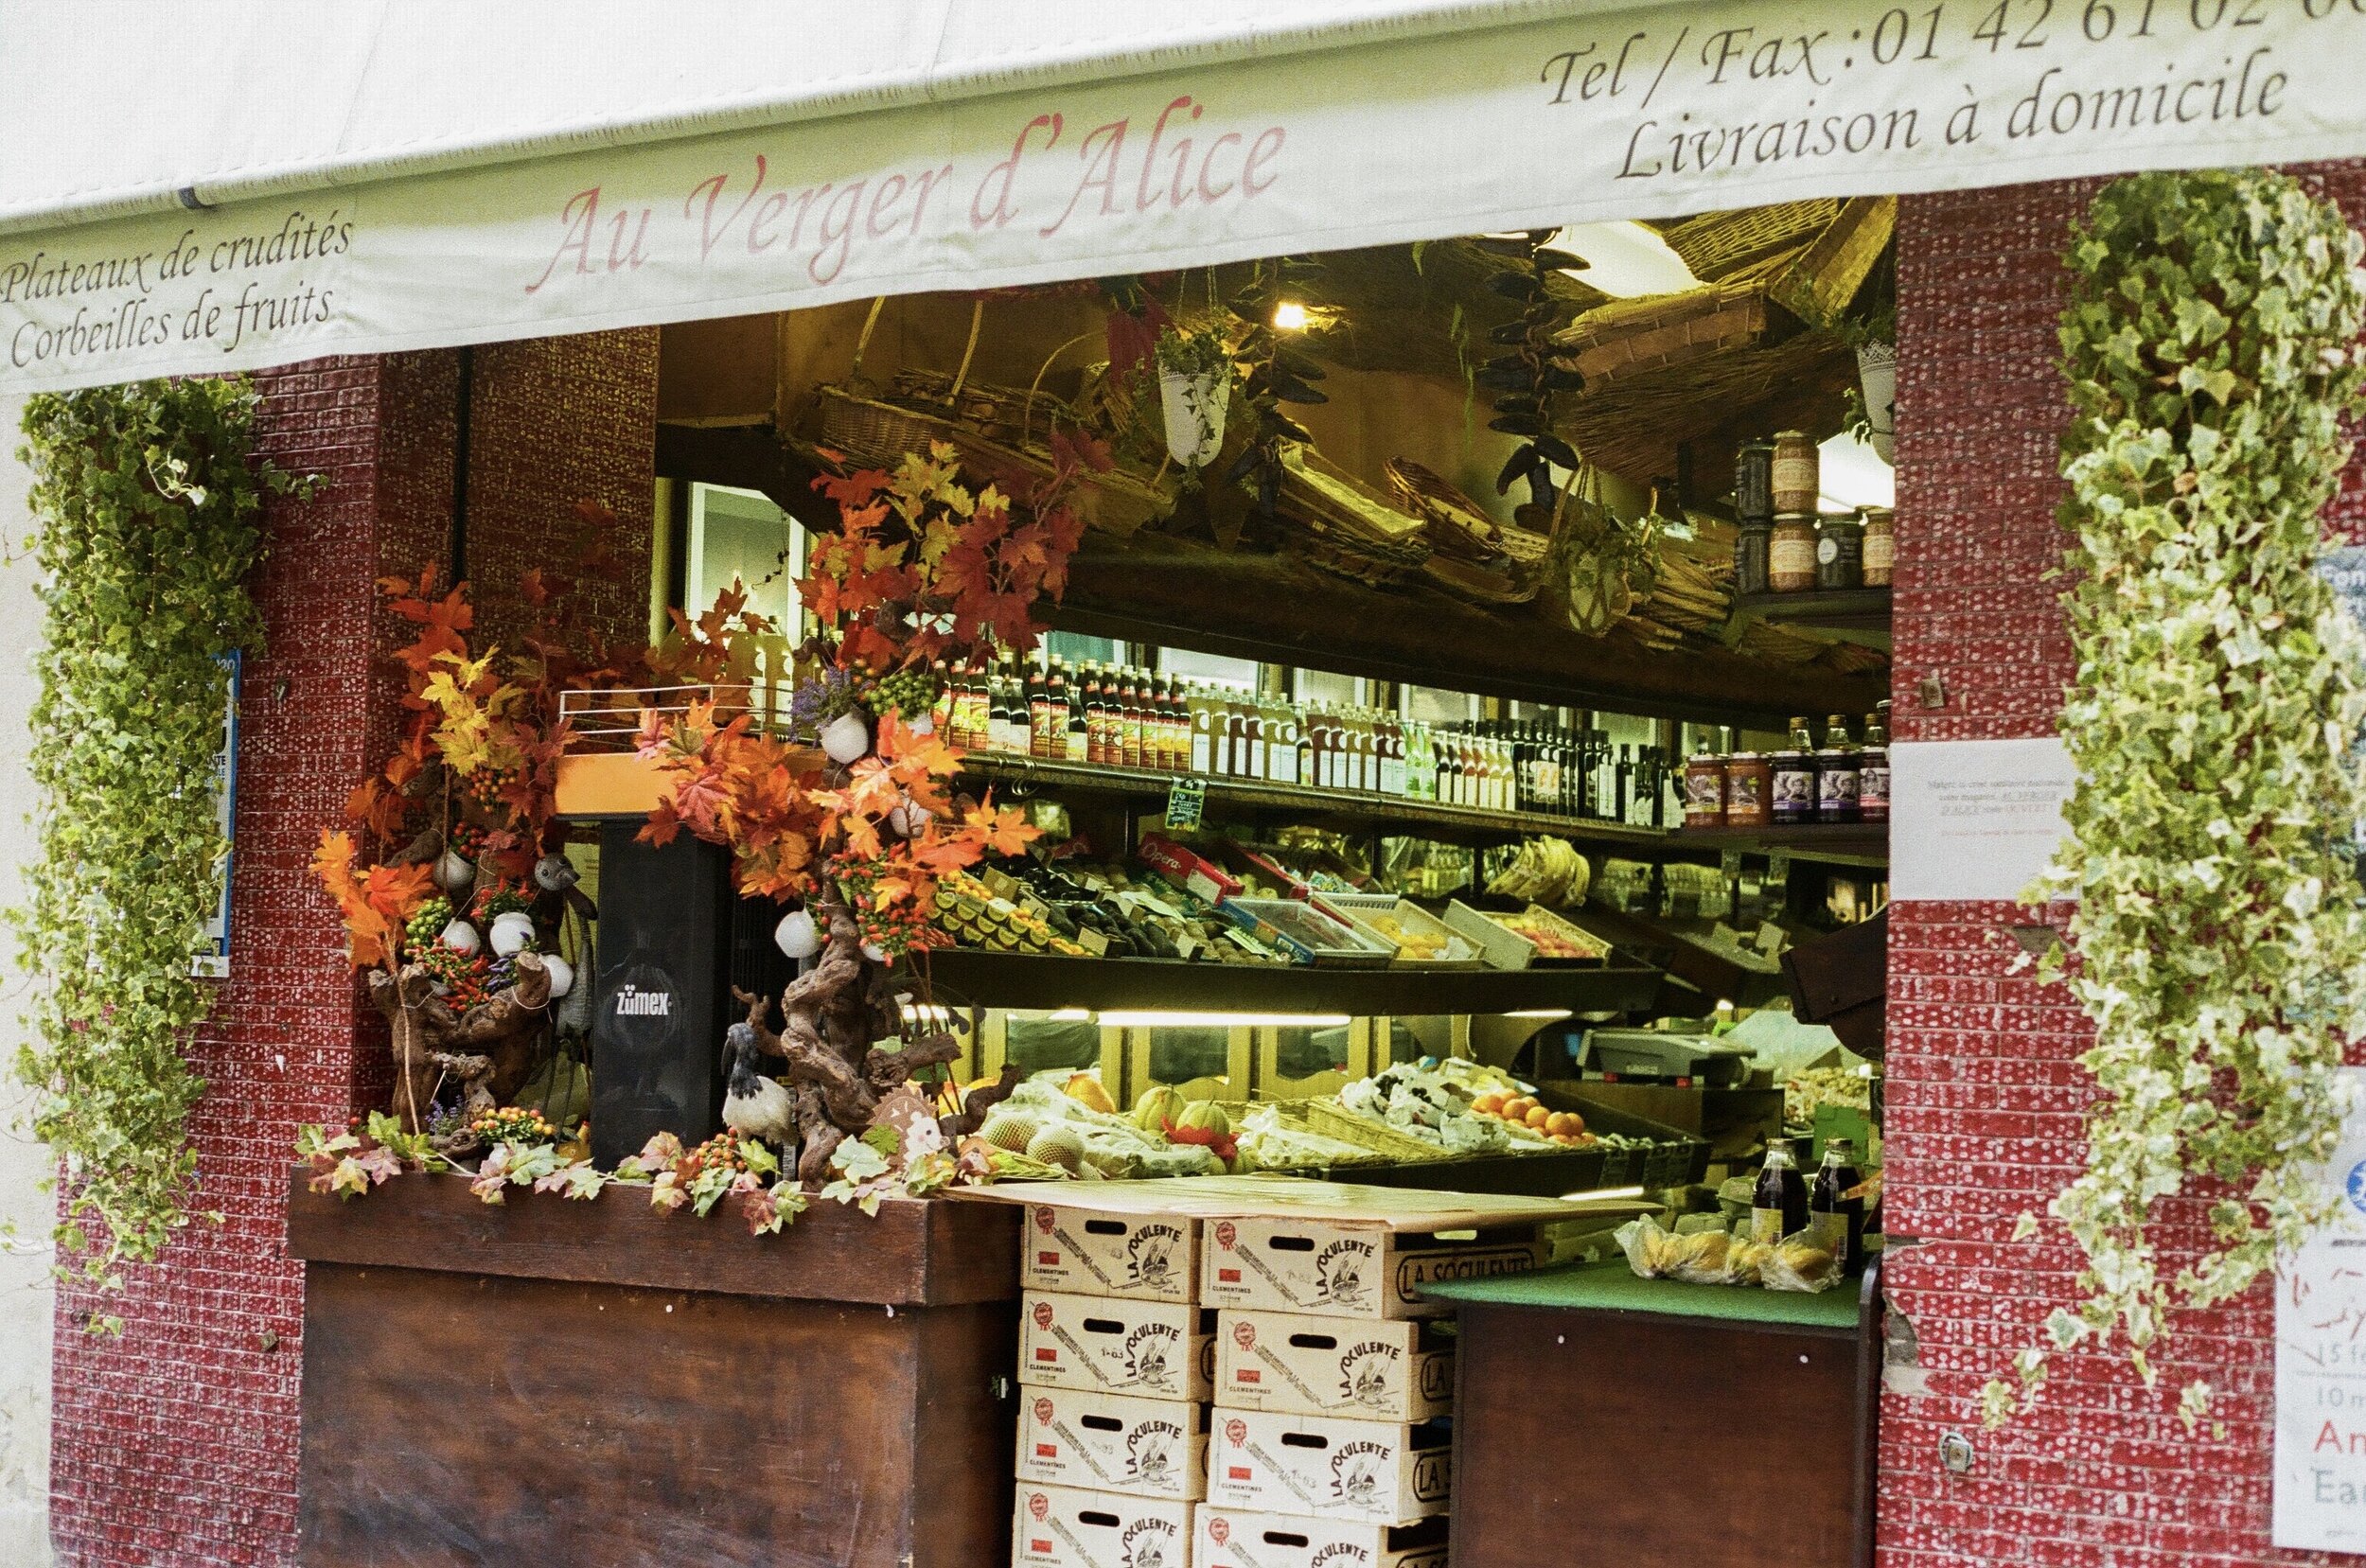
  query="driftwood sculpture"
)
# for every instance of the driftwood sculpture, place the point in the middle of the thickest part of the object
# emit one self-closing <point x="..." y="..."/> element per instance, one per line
<point x="490" y="1047"/>
<point x="831" y="1017"/>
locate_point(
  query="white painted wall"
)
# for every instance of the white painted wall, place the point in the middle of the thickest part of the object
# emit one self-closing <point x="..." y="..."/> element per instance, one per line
<point x="25" y="1290"/>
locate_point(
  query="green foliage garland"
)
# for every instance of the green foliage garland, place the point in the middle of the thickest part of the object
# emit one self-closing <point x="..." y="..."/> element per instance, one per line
<point x="146" y="500"/>
<point x="2211" y="347"/>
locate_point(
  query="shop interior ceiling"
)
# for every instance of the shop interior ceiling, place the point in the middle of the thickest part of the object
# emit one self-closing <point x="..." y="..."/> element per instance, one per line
<point x="1674" y="383"/>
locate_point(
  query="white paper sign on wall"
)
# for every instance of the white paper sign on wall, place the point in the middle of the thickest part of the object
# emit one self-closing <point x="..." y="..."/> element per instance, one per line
<point x="1975" y="819"/>
<point x="2319" y="1493"/>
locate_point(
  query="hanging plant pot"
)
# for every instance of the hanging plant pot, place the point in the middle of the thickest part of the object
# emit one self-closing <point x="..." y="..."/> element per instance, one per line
<point x="512" y="933"/>
<point x="1194" y="404"/>
<point x="1877" y="374"/>
<point x="796" y="935"/>
<point x="909" y="817"/>
<point x="846" y="738"/>
<point x="453" y="871"/>
<point x="563" y="975"/>
<point x="461" y="937"/>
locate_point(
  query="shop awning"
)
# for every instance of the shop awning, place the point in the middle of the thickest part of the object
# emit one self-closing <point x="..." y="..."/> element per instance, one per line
<point x="224" y="185"/>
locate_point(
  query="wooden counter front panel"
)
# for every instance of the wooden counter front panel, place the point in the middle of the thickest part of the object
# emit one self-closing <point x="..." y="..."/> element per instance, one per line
<point x="455" y="1419"/>
<point x="1627" y="1441"/>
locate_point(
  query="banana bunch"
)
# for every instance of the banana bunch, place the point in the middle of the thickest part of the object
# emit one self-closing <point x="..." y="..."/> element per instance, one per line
<point x="1545" y="871"/>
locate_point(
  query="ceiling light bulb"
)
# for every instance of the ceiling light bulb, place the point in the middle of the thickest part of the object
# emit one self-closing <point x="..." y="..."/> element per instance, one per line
<point x="1289" y="316"/>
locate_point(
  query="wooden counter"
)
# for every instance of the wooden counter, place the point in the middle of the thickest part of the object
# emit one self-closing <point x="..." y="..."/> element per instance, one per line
<point x="1605" y="1420"/>
<point x="597" y="1383"/>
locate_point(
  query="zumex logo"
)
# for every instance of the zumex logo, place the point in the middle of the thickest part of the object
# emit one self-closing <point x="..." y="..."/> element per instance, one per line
<point x="633" y="1002"/>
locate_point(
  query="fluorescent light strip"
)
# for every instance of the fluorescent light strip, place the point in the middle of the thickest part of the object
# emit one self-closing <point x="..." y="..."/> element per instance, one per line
<point x="1122" y="1020"/>
<point x="1602" y="1192"/>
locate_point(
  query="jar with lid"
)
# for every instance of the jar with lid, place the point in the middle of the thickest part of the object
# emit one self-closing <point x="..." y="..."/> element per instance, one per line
<point x="1754" y="482"/>
<point x="1790" y="554"/>
<point x="1704" y="790"/>
<point x="1839" y="554"/>
<point x="1749" y="787"/>
<point x="1796" y="479"/>
<point x="1881" y="546"/>
<point x="1751" y="544"/>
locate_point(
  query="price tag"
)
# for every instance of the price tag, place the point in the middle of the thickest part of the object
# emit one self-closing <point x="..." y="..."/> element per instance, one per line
<point x="1186" y="803"/>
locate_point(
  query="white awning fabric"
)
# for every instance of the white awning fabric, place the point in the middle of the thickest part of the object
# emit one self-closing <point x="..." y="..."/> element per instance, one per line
<point x="224" y="184"/>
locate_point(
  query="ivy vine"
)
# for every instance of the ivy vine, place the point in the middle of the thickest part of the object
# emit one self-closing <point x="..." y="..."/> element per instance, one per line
<point x="2220" y="933"/>
<point x="146" y="500"/>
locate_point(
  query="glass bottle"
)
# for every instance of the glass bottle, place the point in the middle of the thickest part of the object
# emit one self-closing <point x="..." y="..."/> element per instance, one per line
<point x="1780" y="1207"/>
<point x="1873" y="769"/>
<point x="1836" y="774"/>
<point x="1836" y="1220"/>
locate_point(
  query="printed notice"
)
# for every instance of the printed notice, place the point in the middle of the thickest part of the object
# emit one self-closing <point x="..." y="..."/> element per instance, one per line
<point x="1975" y="819"/>
<point x="2320" y="1494"/>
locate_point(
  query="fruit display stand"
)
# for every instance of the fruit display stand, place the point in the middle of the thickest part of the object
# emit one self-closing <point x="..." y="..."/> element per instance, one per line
<point x="1768" y="1397"/>
<point x="483" y="1383"/>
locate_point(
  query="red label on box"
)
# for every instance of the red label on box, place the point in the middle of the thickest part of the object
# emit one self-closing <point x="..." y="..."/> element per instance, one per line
<point x="1044" y="1352"/>
<point x="1244" y="1374"/>
<point x="1238" y="1472"/>
<point x="1049" y="1260"/>
<point x="1230" y="1276"/>
<point x="1047" y="1451"/>
<point x="1042" y="1546"/>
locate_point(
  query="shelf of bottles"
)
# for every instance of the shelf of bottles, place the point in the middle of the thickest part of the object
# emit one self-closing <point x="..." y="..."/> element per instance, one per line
<point x="1115" y="728"/>
<point x="1827" y="802"/>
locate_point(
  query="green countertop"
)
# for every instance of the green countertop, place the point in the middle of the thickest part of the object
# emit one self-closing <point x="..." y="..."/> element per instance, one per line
<point x="1613" y="1287"/>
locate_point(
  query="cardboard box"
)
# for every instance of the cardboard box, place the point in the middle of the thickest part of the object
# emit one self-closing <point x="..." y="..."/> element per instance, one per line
<point x="1385" y="1371"/>
<point x="1378" y="1472"/>
<point x="1290" y="1264"/>
<point x="1067" y="1527"/>
<point x="1229" y="1538"/>
<point x="1104" y="1345"/>
<point x="1187" y="868"/>
<point x="1142" y="1258"/>
<point x="1107" y="1442"/>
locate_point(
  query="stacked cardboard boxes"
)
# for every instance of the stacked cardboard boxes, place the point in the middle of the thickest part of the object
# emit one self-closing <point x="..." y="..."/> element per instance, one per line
<point x="1331" y="1380"/>
<point x="1296" y="1306"/>
<point x="1115" y="1360"/>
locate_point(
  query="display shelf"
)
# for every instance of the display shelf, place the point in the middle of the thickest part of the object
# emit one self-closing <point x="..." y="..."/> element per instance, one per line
<point x="1144" y="783"/>
<point x="1273" y="607"/>
<point x="1860" y="615"/>
<point x="1865" y="844"/>
<point x="958" y="976"/>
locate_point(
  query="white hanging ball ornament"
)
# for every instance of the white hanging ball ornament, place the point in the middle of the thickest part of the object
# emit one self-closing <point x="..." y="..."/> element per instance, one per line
<point x="563" y="975"/>
<point x="846" y="738"/>
<point x="454" y="872"/>
<point x="876" y="953"/>
<point x="796" y="935"/>
<point x="461" y="937"/>
<point x="513" y="932"/>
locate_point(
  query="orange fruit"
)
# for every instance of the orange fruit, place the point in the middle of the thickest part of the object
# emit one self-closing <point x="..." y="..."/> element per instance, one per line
<point x="1537" y="1115"/>
<point x="1488" y="1105"/>
<point x="1518" y="1107"/>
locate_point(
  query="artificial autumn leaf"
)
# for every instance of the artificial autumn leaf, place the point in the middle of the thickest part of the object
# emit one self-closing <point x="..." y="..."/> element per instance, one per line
<point x="1003" y="830"/>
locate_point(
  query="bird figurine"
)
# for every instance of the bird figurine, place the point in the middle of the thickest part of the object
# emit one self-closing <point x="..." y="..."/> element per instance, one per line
<point x="756" y="1105"/>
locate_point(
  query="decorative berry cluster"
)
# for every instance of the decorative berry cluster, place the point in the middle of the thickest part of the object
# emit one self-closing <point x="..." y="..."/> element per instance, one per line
<point x="719" y="1152"/>
<point x="911" y="691"/>
<point x="488" y="781"/>
<point x="513" y="1124"/>
<point x="466" y="977"/>
<point x="424" y="928"/>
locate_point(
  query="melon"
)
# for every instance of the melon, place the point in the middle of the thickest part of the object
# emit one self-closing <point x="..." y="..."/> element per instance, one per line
<point x="1011" y="1130"/>
<point x="1056" y="1145"/>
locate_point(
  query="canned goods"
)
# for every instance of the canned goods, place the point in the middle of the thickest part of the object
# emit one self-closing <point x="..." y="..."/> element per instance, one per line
<point x="1749" y="556"/>
<point x="1790" y="554"/>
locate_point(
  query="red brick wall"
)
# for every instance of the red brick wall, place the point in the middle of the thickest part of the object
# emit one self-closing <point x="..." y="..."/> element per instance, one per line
<point x="176" y="1446"/>
<point x="1985" y="1096"/>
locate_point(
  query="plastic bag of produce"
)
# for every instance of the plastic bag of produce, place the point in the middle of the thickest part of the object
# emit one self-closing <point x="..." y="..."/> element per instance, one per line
<point x="1798" y="1263"/>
